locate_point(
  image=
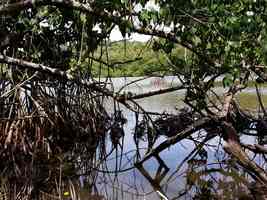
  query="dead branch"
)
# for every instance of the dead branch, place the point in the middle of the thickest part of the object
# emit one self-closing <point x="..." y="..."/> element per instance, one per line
<point x="122" y="98"/>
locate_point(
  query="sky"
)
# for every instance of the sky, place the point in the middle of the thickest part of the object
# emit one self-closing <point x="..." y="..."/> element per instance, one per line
<point x="116" y="35"/>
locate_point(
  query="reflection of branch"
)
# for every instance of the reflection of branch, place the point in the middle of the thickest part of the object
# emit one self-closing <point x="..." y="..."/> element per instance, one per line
<point x="160" y="175"/>
<point x="192" y="154"/>
<point x="173" y="140"/>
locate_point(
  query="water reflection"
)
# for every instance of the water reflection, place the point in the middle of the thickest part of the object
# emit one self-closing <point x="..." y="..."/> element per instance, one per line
<point x="131" y="184"/>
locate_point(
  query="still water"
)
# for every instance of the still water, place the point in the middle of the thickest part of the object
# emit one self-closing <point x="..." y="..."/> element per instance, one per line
<point x="131" y="184"/>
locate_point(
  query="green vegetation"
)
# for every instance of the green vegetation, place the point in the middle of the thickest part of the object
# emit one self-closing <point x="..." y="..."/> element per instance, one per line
<point x="250" y="101"/>
<point x="140" y="60"/>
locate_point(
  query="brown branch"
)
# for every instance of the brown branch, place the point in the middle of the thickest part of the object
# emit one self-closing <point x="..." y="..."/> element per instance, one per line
<point x="233" y="147"/>
<point x="260" y="100"/>
<point x="170" y="36"/>
<point x="173" y="38"/>
<point x="35" y="66"/>
<point x="54" y="72"/>
<point x="122" y="98"/>
<point x="251" y="167"/>
<point x="65" y="75"/>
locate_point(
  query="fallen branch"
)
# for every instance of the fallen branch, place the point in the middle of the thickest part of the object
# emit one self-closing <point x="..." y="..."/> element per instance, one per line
<point x="122" y="98"/>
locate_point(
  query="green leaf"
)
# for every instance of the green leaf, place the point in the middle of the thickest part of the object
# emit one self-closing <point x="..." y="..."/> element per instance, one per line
<point x="83" y="18"/>
<point x="227" y="80"/>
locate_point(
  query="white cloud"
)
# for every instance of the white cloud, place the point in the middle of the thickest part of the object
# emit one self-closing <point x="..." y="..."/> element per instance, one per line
<point x="115" y="35"/>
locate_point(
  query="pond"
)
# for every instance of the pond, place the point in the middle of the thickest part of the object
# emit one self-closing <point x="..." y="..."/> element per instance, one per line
<point x="130" y="184"/>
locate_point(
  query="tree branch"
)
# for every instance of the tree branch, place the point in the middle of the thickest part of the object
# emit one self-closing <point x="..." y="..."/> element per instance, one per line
<point x="126" y="97"/>
<point x="65" y="75"/>
<point x="54" y="72"/>
<point x="35" y="66"/>
<point x="233" y="147"/>
<point x="117" y="19"/>
<point x="72" y="4"/>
